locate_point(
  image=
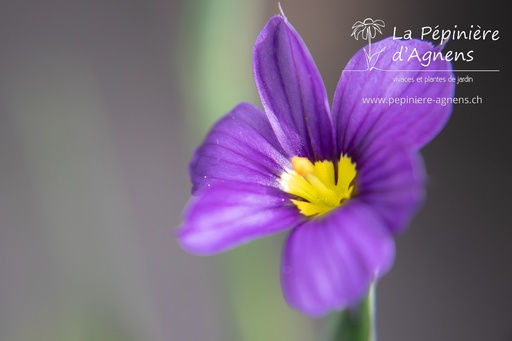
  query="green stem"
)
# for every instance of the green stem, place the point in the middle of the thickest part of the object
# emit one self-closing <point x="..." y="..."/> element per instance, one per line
<point x="358" y="324"/>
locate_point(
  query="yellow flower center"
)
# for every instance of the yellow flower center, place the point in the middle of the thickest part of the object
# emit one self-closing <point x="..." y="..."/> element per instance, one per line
<point x="316" y="186"/>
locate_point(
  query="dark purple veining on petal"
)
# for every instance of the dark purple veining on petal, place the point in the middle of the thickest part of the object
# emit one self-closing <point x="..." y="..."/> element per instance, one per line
<point x="292" y="92"/>
<point x="392" y="183"/>
<point x="226" y="215"/>
<point x="359" y="124"/>
<point x="329" y="263"/>
<point x="240" y="147"/>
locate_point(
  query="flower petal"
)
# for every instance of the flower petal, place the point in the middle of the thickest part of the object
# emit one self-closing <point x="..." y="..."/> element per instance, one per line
<point x="357" y="24"/>
<point x="227" y="215"/>
<point x="240" y="147"/>
<point x="292" y="92"/>
<point x="412" y="124"/>
<point x="391" y="180"/>
<point x="364" y="34"/>
<point x="330" y="262"/>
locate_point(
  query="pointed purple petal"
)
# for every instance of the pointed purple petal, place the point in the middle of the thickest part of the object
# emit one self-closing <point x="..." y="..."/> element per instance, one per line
<point x="227" y="215"/>
<point x="292" y="92"/>
<point x="359" y="124"/>
<point x="240" y="147"/>
<point x="330" y="262"/>
<point x="391" y="180"/>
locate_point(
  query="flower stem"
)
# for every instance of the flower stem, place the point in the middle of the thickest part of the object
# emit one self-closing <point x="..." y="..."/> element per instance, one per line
<point x="369" y="47"/>
<point x="358" y="324"/>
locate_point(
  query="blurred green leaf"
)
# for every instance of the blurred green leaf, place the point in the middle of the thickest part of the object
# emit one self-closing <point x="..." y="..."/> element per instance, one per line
<point x="217" y="59"/>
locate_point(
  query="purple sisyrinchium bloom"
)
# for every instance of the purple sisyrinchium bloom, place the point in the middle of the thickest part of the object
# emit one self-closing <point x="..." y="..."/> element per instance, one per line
<point x="344" y="180"/>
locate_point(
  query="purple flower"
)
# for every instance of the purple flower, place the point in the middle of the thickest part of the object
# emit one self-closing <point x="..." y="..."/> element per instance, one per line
<point x="344" y="180"/>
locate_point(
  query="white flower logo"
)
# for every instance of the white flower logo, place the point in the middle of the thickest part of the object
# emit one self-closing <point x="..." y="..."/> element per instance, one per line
<point x="368" y="29"/>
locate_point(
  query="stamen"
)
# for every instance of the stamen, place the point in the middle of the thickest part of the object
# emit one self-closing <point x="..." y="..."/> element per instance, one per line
<point x="305" y="168"/>
<point x="315" y="185"/>
<point x="302" y="165"/>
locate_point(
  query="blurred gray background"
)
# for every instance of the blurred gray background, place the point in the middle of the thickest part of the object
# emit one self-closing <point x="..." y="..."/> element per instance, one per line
<point x="101" y="106"/>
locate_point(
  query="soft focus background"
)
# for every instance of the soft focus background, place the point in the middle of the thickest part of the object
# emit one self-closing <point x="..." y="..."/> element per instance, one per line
<point x="101" y="106"/>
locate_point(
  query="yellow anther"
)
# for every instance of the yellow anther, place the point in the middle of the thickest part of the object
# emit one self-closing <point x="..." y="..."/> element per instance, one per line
<point x="302" y="165"/>
<point x="316" y="187"/>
